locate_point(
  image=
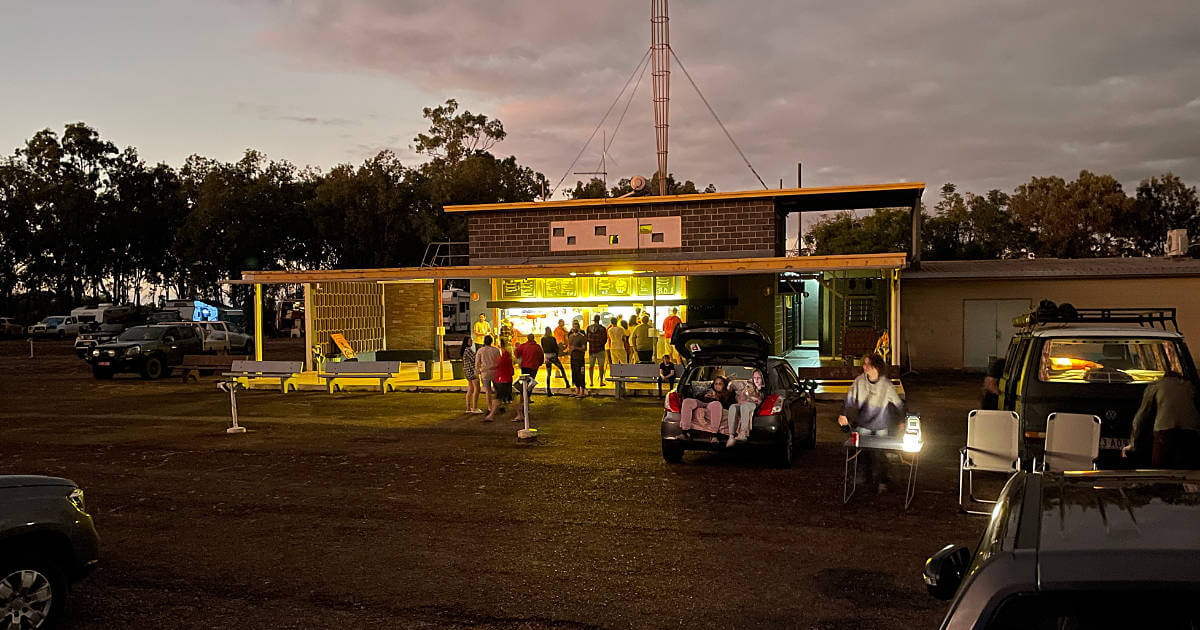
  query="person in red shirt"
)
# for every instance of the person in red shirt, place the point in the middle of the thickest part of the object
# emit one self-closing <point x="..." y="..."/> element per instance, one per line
<point x="530" y="356"/>
<point x="502" y="384"/>
<point x="669" y="325"/>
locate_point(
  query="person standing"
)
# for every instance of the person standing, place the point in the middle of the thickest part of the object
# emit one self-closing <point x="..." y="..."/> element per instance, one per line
<point x="597" y="337"/>
<point x="616" y="343"/>
<point x="481" y="329"/>
<point x="486" y="359"/>
<point x="560" y="335"/>
<point x="468" y="364"/>
<point x="643" y="343"/>
<point x="503" y="385"/>
<point x="669" y="325"/>
<point x="551" y="350"/>
<point x="875" y="407"/>
<point x="1168" y="411"/>
<point x="531" y="358"/>
<point x="576" y="341"/>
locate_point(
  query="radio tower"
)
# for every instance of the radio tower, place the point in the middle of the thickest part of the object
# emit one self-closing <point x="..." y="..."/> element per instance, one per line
<point x="660" y="56"/>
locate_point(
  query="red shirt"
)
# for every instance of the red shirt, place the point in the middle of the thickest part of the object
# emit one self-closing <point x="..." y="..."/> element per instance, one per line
<point x="530" y="354"/>
<point x="504" y="368"/>
<point x="669" y="325"/>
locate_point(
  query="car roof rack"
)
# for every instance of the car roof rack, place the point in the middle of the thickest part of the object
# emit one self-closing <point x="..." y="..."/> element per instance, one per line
<point x="1145" y="317"/>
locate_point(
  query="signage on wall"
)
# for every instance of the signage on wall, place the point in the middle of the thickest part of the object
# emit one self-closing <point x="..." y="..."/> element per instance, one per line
<point x="518" y="288"/>
<point x="339" y="340"/>
<point x="622" y="286"/>
<point x="560" y="287"/>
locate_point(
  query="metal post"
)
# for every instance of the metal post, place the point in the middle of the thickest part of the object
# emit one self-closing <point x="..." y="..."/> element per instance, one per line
<point x="894" y="318"/>
<point x="30" y="347"/>
<point x="258" y="322"/>
<point x="308" y="328"/>
<point x="526" y="384"/>
<point x="232" y="387"/>
<point x="914" y="257"/>
<point x="441" y="334"/>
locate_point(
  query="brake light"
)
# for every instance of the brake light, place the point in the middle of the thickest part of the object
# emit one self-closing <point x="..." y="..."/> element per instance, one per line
<point x="674" y="402"/>
<point x="771" y="405"/>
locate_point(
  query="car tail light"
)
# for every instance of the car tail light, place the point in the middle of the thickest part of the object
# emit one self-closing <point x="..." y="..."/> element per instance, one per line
<point x="771" y="405"/>
<point x="673" y="402"/>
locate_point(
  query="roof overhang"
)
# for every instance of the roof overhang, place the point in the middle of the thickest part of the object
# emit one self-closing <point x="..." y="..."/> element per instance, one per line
<point x="816" y="199"/>
<point x="707" y="267"/>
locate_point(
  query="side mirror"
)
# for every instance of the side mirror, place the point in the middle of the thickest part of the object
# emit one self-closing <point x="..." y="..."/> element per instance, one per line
<point x="168" y="339"/>
<point x="944" y="571"/>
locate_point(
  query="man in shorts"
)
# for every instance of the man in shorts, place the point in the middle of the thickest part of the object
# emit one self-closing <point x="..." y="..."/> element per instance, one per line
<point x="597" y="338"/>
<point x="487" y="359"/>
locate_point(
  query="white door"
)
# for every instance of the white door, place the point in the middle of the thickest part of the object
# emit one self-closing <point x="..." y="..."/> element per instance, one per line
<point x="987" y="329"/>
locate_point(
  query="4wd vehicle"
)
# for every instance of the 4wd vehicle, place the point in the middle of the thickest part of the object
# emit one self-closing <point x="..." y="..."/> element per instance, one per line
<point x="48" y="327"/>
<point x="1087" y="549"/>
<point x="1096" y="361"/>
<point x="10" y="328"/>
<point x="149" y="350"/>
<point x="785" y="420"/>
<point x="47" y="540"/>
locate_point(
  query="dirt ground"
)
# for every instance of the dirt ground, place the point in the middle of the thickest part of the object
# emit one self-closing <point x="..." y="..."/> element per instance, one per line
<point x="358" y="510"/>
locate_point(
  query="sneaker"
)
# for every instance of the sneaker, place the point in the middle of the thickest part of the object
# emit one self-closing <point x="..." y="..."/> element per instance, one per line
<point x="730" y="442"/>
<point x="475" y="411"/>
<point x="881" y="488"/>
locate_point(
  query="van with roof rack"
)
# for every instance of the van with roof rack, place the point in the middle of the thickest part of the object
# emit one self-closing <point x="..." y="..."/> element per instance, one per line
<point x="1096" y="361"/>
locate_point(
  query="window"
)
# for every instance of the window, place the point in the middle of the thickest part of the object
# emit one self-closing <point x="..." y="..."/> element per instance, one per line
<point x="601" y="230"/>
<point x="613" y="240"/>
<point x="1107" y="360"/>
<point x="558" y="232"/>
<point x="570" y="240"/>
<point x="656" y="237"/>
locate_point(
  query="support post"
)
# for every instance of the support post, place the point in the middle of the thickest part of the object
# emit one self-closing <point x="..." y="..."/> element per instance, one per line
<point x="258" y="322"/>
<point x="894" y="314"/>
<point x="914" y="257"/>
<point x="441" y="334"/>
<point x="308" y="328"/>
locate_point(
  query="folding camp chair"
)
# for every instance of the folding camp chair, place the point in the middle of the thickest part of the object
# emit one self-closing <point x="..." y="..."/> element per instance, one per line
<point x="1072" y="442"/>
<point x="993" y="445"/>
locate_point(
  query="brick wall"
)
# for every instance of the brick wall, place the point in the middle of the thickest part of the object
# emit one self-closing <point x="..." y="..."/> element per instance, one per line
<point x="411" y="315"/>
<point x="710" y="229"/>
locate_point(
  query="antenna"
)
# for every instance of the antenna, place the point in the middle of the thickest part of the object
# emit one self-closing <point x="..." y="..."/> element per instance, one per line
<point x="603" y="172"/>
<point x="660" y="55"/>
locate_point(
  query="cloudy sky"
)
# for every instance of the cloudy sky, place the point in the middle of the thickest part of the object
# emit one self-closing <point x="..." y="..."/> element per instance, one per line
<point x="984" y="94"/>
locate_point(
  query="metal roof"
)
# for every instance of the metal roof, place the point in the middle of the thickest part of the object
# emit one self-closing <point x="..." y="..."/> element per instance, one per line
<point x="1055" y="268"/>
<point x="893" y="195"/>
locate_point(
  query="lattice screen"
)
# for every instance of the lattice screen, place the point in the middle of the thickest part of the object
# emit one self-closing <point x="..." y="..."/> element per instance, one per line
<point x="354" y="309"/>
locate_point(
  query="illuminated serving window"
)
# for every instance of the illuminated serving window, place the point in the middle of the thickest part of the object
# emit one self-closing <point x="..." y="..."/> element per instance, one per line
<point x="1108" y="360"/>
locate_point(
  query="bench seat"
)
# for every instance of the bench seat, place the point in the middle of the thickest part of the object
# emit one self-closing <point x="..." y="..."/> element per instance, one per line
<point x="622" y="373"/>
<point x="282" y="370"/>
<point x="379" y="371"/>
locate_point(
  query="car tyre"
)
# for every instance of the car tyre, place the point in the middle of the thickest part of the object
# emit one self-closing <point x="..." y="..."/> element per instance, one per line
<point x="43" y="578"/>
<point x="153" y="368"/>
<point x="785" y="449"/>
<point x="672" y="453"/>
<point x="102" y="374"/>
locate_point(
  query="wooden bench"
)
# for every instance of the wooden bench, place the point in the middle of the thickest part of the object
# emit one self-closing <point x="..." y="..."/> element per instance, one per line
<point x="621" y="373"/>
<point x="375" y="370"/>
<point x="196" y="365"/>
<point x="423" y="358"/>
<point x="282" y="370"/>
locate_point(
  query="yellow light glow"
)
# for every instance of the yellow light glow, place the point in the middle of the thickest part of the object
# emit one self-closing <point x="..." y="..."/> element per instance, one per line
<point x="1071" y="363"/>
<point x="621" y="272"/>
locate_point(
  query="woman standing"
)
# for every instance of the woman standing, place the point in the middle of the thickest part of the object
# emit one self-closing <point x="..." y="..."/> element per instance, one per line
<point x="575" y="344"/>
<point x="504" y="381"/>
<point x="616" y="343"/>
<point x="550" y="349"/>
<point x="748" y="400"/>
<point x="468" y="363"/>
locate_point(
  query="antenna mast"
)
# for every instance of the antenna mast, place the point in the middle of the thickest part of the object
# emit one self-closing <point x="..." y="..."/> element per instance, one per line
<point x="660" y="55"/>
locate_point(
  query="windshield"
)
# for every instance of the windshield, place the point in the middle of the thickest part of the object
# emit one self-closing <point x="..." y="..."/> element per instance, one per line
<point x="53" y="321"/>
<point x="142" y="333"/>
<point x="1108" y="360"/>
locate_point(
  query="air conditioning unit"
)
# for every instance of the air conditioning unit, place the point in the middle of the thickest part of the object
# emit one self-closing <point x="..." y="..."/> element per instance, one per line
<point x="1177" y="242"/>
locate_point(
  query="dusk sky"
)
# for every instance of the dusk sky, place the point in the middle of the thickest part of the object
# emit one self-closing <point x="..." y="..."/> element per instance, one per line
<point x="981" y="94"/>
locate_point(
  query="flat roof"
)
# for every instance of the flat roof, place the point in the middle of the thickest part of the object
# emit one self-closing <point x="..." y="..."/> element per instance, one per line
<point x="893" y="195"/>
<point x="704" y="267"/>
<point x="1055" y="268"/>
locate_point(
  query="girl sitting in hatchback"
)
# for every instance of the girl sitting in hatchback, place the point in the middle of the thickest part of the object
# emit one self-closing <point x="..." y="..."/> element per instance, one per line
<point x="716" y="399"/>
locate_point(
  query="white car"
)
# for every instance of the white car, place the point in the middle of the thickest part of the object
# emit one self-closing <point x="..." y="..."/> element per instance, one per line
<point x="10" y="328"/>
<point x="224" y="338"/>
<point x="48" y="327"/>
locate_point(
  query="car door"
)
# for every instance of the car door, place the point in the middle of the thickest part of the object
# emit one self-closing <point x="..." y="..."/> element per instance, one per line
<point x="790" y="390"/>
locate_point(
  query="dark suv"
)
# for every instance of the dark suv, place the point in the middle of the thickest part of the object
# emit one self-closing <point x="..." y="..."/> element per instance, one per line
<point x="1088" y="549"/>
<point x="785" y="419"/>
<point x="1093" y="361"/>
<point x="47" y="541"/>
<point x="149" y="350"/>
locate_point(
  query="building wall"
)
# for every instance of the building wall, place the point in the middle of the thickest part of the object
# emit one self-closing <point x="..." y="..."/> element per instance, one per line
<point x="931" y="311"/>
<point x="411" y="316"/>
<point x="711" y="229"/>
<point x="353" y="309"/>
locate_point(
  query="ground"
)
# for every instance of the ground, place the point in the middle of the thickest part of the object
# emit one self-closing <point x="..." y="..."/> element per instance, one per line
<point x="359" y="510"/>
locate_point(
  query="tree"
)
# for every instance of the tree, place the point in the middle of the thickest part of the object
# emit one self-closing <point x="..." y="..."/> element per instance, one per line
<point x="1072" y="220"/>
<point x="674" y="187"/>
<point x="594" y="189"/>
<point x="884" y="230"/>
<point x="454" y="136"/>
<point x="1161" y="203"/>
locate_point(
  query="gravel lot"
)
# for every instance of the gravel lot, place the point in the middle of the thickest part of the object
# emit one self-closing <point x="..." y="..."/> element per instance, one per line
<point x="358" y="510"/>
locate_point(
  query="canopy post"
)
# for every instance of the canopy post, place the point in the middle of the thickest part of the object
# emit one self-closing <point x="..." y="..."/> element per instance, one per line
<point x="258" y="322"/>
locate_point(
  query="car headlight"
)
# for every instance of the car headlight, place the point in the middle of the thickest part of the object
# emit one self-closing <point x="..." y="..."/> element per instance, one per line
<point x="95" y="353"/>
<point x="76" y="499"/>
<point x="132" y="350"/>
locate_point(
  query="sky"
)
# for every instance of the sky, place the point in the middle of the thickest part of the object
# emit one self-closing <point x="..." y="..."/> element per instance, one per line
<point x="982" y="94"/>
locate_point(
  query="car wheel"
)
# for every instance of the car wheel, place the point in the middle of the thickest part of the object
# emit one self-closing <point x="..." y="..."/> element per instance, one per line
<point x="153" y="369"/>
<point x="31" y="593"/>
<point x="672" y="453"/>
<point x="102" y="374"/>
<point x="785" y="449"/>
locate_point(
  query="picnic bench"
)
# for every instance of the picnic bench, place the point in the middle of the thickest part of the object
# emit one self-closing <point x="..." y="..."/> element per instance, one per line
<point x="282" y="370"/>
<point x="196" y="365"/>
<point x="379" y="371"/>
<point x="621" y="373"/>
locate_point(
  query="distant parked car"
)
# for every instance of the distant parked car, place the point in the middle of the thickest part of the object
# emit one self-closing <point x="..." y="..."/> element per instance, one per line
<point x="47" y="541"/>
<point x="148" y="350"/>
<point x="10" y="328"/>
<point x="1089" y="549"/>
<point x="48" y="327"/>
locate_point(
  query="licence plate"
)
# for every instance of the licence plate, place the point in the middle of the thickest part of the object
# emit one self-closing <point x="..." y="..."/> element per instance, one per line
<point x="1113" y="444"/>
<point x="103" y="363"/>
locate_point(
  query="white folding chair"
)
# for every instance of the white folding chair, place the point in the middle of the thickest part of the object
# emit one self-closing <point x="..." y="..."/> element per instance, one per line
<point x="993" y="445"/>
<point x="1072" y="442"/>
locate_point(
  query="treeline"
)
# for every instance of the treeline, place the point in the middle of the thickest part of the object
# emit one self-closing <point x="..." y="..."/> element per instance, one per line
<point x="81" y="219"/>
<point x="1046" y="217"/>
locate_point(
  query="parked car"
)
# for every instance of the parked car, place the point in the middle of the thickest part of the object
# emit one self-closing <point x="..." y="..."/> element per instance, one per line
<point x="48" y="327"/>
<point x="785" y="420"/>
<point x="1093" y="361"/>
<point x="1088" y="549"/>
<point x="10" y="328"/>
<point x="92" y="336"/>
<point x="226" y="338"/>
<point x="47" y="541"/>
<point x="148" y="350"/>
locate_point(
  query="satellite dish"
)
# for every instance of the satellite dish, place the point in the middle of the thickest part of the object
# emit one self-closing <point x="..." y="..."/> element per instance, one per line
<point x="638" y="183"/>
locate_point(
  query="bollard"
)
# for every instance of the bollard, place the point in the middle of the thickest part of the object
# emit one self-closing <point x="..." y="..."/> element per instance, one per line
<point x="31" y="347"/>
<point x="232" y="387"/>
<point x="527" y="385"/>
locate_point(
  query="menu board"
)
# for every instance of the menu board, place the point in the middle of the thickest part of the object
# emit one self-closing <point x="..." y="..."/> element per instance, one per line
<point x="515" y="288"/>
<point x="588" y="286"/>
<point x="560" y="288"/>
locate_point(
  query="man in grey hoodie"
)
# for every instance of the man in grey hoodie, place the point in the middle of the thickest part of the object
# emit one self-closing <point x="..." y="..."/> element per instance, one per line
<point x="875" y="406"/>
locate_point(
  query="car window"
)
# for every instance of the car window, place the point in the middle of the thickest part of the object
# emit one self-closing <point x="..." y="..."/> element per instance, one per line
<point x="141" y="333"/>
<point x="1001" y="531"/>
<point x="1107" y="360"/>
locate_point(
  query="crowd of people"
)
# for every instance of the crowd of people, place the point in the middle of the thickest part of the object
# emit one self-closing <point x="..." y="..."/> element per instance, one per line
<point x="491" y="355"/>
